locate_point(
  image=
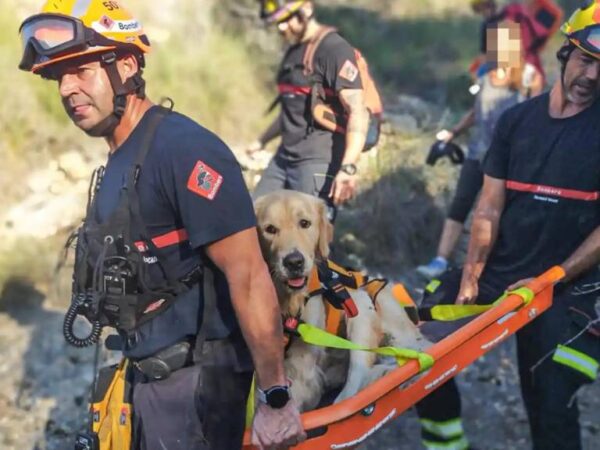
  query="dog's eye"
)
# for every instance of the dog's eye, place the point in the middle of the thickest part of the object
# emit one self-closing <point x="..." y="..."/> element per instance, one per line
<point x="305" y="223"/>
<point x="271" y="229"/>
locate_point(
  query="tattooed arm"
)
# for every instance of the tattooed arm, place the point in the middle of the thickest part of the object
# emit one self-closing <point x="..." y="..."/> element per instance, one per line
<point x="353" y="101"/>
<point x="358" y="123"/>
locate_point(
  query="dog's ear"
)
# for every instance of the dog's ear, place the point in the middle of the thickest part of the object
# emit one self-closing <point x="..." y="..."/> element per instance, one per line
<point x="259" y="206"/>
<point x="325" y="231"/>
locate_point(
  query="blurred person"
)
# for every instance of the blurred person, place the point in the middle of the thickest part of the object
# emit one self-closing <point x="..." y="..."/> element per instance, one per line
<point x="311" y="158"/>
<point x="170" y="250"/>
<point x="539" y="207"/>
<point x="538" y="20"/>
<point x="498" y="89"/>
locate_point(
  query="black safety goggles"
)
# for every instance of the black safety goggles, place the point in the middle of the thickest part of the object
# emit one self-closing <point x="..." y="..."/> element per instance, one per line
<point x="45" y="36"/>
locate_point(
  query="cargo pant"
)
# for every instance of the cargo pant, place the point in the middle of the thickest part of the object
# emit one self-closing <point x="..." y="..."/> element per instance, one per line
<point x="556" y="357"/>
<point x="200" y="407"/>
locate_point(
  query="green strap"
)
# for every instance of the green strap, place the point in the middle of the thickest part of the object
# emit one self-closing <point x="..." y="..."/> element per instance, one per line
<point x="250" y="403"/>
<point x="432" y="286"/>
<point x="454" y="312"/>
<point x="315" y="336"/>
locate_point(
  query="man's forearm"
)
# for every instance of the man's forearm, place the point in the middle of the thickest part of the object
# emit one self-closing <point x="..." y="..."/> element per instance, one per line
<point x="255" y="302"/>
<point x="273" y="131"/>
<point x="356" y="135"/>
<point x="586" y="256"/>
<point x="484" y="232"/>
<point x="465" y="123"/>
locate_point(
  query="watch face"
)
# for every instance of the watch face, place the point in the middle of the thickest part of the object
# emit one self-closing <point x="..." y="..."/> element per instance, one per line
<point x="277" y="397"/>
<point x="350" y="169"/>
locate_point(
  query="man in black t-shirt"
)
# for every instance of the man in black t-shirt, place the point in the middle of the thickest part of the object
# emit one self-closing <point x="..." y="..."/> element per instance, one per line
<point x="540" y="207"/>
<point x="310" y="158"/>
<point x="168" y="253"/>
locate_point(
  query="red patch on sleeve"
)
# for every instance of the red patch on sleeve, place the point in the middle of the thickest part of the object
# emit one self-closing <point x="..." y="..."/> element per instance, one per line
<point x="349" y="71"/>
<point x="204" y="181"/>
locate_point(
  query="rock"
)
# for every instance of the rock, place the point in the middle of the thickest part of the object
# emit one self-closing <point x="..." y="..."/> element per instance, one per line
<point x="402" y="123"/>
<point x="73" y="164"/>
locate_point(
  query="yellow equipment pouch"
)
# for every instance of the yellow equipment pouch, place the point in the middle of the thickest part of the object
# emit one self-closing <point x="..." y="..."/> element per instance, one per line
<point x="112" y="408"/>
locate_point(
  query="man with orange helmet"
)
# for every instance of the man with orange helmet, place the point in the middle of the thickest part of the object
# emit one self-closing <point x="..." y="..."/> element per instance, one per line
<point x="540" y="207"/>
<point x="168" y="253"/>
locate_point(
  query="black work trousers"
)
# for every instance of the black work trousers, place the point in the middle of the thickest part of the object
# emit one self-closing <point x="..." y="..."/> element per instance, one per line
<point x="200" y="407"/>
<point x="548" y="386"/>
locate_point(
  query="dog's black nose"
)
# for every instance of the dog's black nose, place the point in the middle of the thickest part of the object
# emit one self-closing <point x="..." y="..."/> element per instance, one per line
<point x="294" y="262"/>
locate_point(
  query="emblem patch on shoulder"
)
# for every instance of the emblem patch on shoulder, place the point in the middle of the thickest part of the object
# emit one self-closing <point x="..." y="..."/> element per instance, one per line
<point x="204" y="181"/>
<point x="349" y="71"/>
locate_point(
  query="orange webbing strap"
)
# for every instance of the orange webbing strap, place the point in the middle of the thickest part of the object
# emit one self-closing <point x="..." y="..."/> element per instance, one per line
<point x="352" y="279"/>
<point x="308" y="60"/>
<point x="374" y="287"/>
<point x="314" y="285"/>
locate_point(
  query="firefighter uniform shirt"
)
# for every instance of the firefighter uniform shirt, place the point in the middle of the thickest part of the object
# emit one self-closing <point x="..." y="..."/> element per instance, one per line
<point x="335" y="67"/>
<point x="551" y="168"/>
<point x="191" y="194"/>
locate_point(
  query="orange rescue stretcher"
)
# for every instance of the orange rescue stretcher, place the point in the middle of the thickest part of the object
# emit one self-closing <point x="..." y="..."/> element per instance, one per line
<point x="347" y="424"/>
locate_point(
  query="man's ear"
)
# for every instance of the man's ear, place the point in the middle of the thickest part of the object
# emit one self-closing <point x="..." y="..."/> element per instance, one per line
<point x="307" y="11"/>
<point x="325" y="231"/>
<point x="128" y="66"/>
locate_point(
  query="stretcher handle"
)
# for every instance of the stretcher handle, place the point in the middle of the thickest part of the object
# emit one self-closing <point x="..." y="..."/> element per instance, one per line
<point x="316" y="418"/>
<point x="547" y="279"/>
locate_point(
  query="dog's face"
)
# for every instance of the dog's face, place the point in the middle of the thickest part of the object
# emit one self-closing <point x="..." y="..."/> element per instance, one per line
<point x="294" y="231"/>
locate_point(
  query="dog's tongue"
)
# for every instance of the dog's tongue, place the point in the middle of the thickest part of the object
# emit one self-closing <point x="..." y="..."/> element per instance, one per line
<point x="296" y="282"/>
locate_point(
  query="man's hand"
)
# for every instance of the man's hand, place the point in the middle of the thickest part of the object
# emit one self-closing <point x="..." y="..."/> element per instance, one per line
<point x="343" y="188"/>
<point x="274" y="429"/>
<point x="520" y="283"/>
<point x="254" y="147"/>
<point x="444" y="136"/>
<point x="469" y="290"/>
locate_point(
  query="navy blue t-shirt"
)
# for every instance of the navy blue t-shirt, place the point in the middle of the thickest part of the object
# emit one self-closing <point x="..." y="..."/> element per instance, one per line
<point x="191" y="194"/>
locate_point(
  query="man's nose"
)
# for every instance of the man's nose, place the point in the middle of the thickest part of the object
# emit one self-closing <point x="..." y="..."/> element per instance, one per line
<point x="67" y="84"/>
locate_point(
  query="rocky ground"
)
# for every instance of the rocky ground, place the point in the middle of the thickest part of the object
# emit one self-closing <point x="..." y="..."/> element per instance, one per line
<point x="44" y="385"/>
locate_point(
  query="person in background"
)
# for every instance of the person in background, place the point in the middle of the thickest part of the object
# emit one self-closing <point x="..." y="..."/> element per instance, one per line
<point x="501" y="87"/>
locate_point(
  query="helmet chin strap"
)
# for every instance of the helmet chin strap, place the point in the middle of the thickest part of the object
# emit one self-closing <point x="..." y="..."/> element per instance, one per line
<point x="121" y="90"/>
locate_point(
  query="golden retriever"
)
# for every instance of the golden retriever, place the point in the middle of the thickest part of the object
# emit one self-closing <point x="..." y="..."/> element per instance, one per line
<point x="294" y="233"/>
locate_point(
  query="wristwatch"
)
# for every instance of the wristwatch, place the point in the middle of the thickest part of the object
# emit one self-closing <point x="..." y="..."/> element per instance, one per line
<point x="276" y="397"/>
<point x="349" y="168"/>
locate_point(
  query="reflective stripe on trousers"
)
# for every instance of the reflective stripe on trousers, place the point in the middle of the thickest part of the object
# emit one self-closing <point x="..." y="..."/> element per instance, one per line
<point x="576" y="360"/>
<point x="446" y="435"/>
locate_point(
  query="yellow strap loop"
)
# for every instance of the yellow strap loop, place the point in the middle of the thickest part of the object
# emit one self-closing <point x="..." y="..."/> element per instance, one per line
<point x="250" y="403"/>
<point x="454" y="312"/>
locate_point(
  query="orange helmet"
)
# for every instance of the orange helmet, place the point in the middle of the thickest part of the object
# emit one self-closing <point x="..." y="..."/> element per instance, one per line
<point x="66" y="29"/>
